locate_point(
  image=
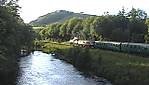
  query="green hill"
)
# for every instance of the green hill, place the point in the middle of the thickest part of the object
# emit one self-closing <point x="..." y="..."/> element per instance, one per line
<point x="57" y="16"/>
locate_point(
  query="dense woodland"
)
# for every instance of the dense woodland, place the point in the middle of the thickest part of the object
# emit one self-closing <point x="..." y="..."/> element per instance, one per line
<point x="123" y="27"/>
<point x="14" y="36"/>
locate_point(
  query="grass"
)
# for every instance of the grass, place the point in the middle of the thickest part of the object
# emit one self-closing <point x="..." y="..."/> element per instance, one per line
<point x="122" y="68"/>
<point x="119" y="68"/>
<point x="49" y="46"/>
<point x="38" y="28"/>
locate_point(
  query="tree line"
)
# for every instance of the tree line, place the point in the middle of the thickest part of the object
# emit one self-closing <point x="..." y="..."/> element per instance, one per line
<point x="123" y="27"/>
<point x="14" y="36"/>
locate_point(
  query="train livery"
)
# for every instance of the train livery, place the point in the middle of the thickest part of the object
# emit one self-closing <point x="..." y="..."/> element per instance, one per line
<point x="139" y="48"/>
<point x="82" y="43"/>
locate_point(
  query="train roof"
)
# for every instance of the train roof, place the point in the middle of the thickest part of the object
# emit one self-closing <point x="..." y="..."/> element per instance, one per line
<point x="141" y="44"/>
<point x="107" y="42"/>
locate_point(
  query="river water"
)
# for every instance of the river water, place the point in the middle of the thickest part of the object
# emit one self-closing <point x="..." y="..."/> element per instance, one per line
<point x="43" y="69"/>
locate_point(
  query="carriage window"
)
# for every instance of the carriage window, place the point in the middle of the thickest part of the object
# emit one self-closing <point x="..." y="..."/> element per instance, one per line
<point x="130" y="46"/>
<point x="134" y="46"/>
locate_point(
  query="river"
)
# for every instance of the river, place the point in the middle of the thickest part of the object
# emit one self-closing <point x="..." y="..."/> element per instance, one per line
<point x="43" y="69"/>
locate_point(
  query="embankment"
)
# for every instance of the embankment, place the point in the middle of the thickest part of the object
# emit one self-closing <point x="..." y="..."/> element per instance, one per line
<point x="119" y="68"/>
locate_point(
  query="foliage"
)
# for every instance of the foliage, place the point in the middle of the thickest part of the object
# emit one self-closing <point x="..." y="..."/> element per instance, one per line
<point x="147" y="38"/>
<point x="123" y="27"/>
<point x="14" y="36"/>
<point x="119" y="68"/>
<point x="147" y="35"/>
<point x="57" y="16"/>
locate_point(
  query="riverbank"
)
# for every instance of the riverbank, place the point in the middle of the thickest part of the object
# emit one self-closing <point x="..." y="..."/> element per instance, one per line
<point x="119" y="68"/>
<point x="43" y="69"/>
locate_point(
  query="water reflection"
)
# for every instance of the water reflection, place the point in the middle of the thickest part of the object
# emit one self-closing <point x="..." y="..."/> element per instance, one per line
<point x="42" y="69"/>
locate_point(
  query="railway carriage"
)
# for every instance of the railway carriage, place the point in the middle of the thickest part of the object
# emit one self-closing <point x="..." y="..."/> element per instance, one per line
<point x="125" y="47"/>
<point x="139" y="48"/>
<point x="115" y="46"/>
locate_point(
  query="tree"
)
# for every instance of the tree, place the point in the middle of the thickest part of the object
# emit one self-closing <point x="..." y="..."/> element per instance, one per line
<point x="147" y="23"/>
<point x="88" y="28"/>
<point x="123" y="27"/>
<point x="53" y="31"/>
<point x="137" y="26"/>
<point x="63" y="31"/>
<point x="14" y="36"/>
<point x="137" y="14"/>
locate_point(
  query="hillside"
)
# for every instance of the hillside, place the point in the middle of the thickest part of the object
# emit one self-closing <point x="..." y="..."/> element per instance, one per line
<point x="57" y="16"/>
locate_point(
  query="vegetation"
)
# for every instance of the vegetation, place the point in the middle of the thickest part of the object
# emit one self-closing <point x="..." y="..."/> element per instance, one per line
<point x="147" y="35"/>
<point x="14" y="36"/>
<point x="57" y="16"/>
<point x="123" y="27"/>
<point x="49" y="46"/>
<point x="119" y="68"/>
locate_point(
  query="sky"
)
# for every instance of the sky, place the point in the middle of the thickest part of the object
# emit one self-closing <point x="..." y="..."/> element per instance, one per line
<point x="32" y="9"/>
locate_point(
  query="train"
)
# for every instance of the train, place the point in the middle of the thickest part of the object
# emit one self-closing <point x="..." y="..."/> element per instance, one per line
<point x="139" y="48"/>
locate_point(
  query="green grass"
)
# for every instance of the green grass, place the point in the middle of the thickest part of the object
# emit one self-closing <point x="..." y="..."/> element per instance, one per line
<point x="49" y="46"/>
<point x="119" y="68"/>
<point x="38" y="28"/>
<point x="122" y="68"/>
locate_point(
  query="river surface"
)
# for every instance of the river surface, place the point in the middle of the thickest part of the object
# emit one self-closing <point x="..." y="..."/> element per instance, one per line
<point x="43" y="69"/>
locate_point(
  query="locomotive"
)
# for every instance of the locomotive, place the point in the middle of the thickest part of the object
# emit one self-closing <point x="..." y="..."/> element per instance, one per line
<point x="82" y="43"/>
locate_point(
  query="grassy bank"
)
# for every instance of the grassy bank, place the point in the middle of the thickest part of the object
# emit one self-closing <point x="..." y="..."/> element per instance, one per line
<point x="119" y="68"/>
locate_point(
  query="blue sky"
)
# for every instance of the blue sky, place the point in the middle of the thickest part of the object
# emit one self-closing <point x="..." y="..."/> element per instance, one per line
<point x="32" y="9"/>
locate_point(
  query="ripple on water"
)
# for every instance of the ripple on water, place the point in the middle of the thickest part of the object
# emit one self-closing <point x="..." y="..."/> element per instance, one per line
<point x="43" y="69"/>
